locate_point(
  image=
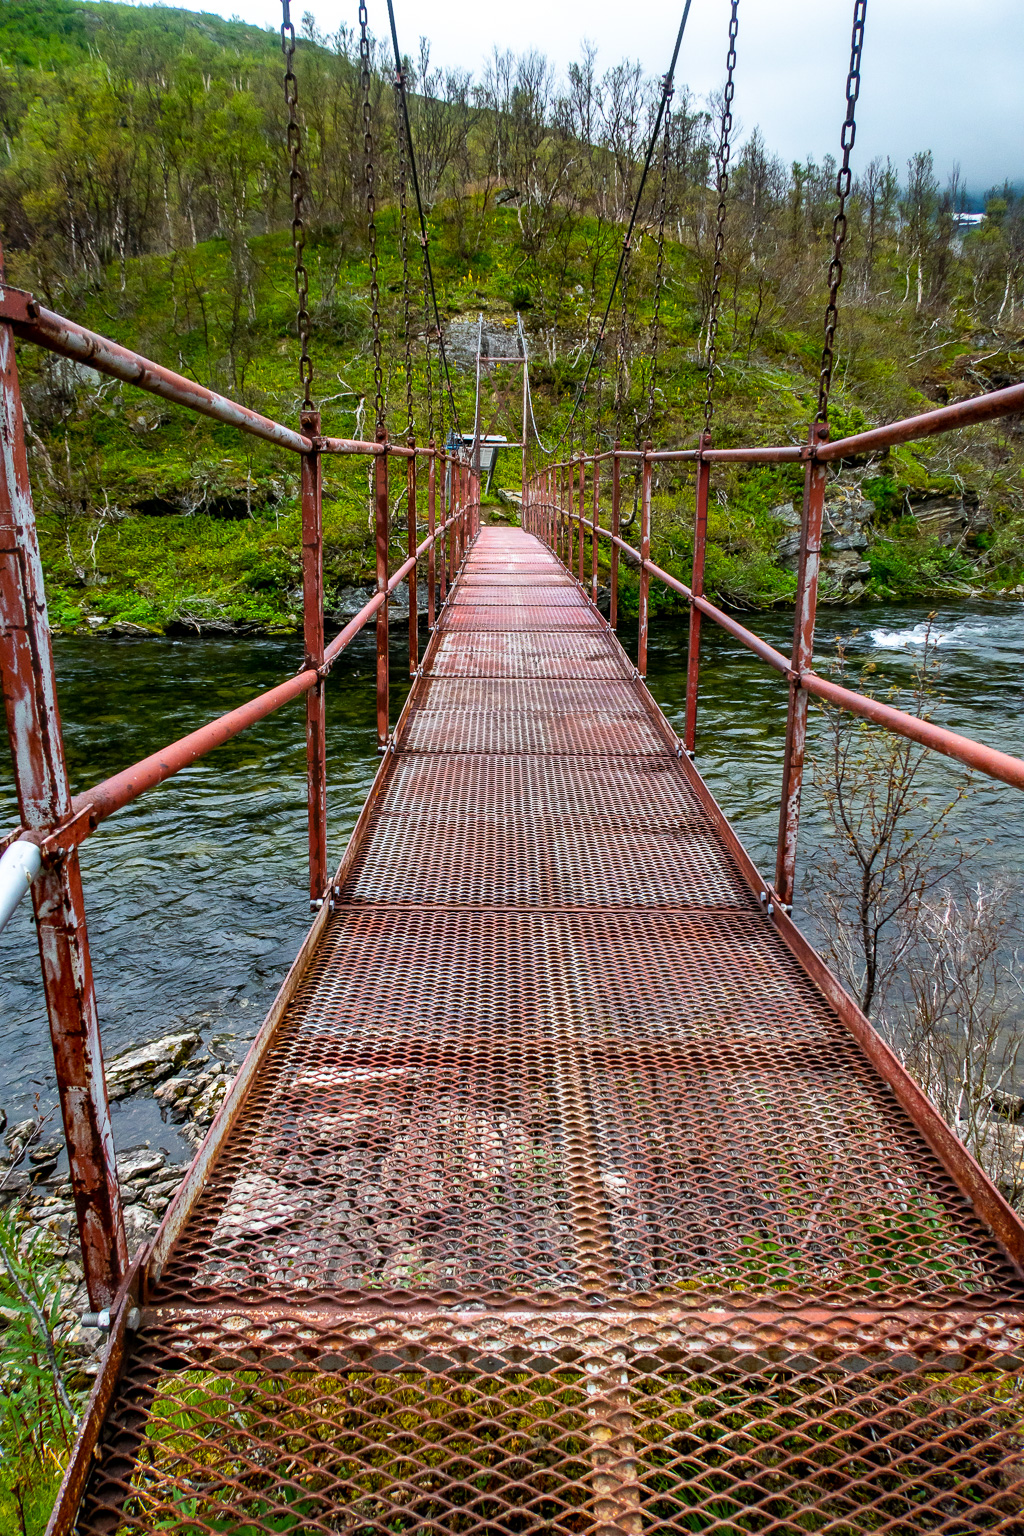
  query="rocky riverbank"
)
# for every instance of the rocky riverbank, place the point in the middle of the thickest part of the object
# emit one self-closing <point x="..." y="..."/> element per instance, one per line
<point x="189" y="1086"/>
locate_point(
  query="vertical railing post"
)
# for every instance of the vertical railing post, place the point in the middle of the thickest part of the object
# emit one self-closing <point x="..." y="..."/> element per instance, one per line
<point x="613" y="608"/>
<point x="431" y="522"/>
<point x="569" y="492"/>
<point x="313" y="641"/>
<point x="548" y="509"/>
<point x="381" y="517"/>
<point x="446" y="513"/>
<point x="593" y="532"/>
<point x="582" y="514"/>
<point x="44" y="800"/>
<point x="700" y="538"/>
<point x="645" y="555"/>
<point x="414" y="610"/>
<point x="803" y="652"/>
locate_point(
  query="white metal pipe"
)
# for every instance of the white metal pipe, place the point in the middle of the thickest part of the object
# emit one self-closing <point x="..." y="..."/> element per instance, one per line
<point x="19" y="865"/>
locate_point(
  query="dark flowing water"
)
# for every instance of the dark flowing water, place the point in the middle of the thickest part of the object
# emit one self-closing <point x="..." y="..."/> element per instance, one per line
<point x="196" y="894"/>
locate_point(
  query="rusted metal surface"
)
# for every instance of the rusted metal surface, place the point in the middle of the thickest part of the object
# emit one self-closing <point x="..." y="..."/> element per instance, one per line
<point x="645" y="555"/>
<point x="431" y="553"/>
<point x="613" y="600"/>
<point x="381" y="516"/>
<point x="803" y="653"/>
<point x="414" y="616"/>
<point x="40" y="776"/>
<point x="700" y="536"/>
<point x="67" y="339"/>
<point x="561" y="1194"/>
<point x="313" y="642"/>
<point x="595" y="520"/>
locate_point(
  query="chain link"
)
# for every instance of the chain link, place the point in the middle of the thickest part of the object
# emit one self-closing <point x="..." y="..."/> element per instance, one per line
<point x="724" y="151"/>
<point x="403" y="179"/>
<point x="371" y="220"/>
<point x="427" y="327"/>
<point x="844" y="184"/>
<point x="297" y="188"/>
<point x="620" y="350"/>
<point x="659" y="271"/>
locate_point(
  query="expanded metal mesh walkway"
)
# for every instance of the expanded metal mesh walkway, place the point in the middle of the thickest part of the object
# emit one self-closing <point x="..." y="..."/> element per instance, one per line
<point x="563" y="1200"/>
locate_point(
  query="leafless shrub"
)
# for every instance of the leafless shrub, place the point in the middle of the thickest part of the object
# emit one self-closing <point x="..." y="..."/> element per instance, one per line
<point x="891" y="843"/>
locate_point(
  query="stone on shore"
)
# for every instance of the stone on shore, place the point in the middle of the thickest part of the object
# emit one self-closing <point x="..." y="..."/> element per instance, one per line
<point x="145" y="1065"/>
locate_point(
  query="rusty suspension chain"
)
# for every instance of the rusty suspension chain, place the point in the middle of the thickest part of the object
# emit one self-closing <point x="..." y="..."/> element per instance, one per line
<point x="403" y="176"/>
<point x="844" y="184"/>
<point x="724" y="150"/>
<point x="428" y="272"/>
<point x="666" y="89"/>
<point x="296" y="186"/>
<point x="371" y="219"/>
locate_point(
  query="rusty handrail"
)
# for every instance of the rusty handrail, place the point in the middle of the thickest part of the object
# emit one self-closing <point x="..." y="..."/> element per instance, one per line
<point x="946" y="418"/>
<point x="94" y="805"/>
<point x="974" y="754"/>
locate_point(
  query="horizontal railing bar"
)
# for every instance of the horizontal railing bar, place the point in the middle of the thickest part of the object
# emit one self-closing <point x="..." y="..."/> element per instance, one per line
<point x="73" y="341"/>
<point x="94" y="805"/>
<point x="948" y="418"/>
<point x="973" y="754"/>
<point x="56" y="333"/>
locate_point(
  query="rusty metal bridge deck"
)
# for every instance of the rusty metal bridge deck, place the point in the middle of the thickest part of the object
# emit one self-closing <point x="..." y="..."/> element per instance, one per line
<point x="569" y="1194"/>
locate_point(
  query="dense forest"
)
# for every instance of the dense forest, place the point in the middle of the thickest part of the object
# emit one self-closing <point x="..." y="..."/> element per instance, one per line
<point x="144" y="190"/>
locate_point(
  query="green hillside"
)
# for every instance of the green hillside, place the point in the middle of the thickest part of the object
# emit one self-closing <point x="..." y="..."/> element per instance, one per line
<point x="143" y="188"/>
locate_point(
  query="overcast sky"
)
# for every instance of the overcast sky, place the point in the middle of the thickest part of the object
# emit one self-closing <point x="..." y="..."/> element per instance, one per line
<point x="944" y="75"/>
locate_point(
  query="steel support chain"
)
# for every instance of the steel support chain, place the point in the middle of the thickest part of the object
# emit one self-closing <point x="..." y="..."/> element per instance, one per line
<point x="666" y="92"/>
<point x="296" y="184"/>
<point x="724" y="150"/>
<point x="428" y="271"/>
<point x="844" y="184"/>
<point x="403" y="242"/>
<point x="369" y="176"/>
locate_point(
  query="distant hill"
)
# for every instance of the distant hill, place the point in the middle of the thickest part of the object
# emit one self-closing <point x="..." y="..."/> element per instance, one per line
<point x="49" y="34"/>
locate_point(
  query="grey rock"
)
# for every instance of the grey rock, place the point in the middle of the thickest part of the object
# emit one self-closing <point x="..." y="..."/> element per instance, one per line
<point x="19" y="1136"/>
<point x="139" y="1164"/>
<point x="850" y="541"/>
<point x="47" y="1154"/>
<point x="787" y="514"/>
<point x="1010" y="1106"/>
<point x="140" y="1068"/>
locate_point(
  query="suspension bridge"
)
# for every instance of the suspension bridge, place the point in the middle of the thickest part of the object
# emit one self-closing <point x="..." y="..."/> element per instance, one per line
<point x="563" y="1188"/>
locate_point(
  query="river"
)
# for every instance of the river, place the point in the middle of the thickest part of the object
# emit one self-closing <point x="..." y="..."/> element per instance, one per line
<point x="196" y="894"/>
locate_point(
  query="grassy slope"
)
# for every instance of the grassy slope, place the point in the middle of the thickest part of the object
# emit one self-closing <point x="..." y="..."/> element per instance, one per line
<point x="127" y="449"/>
<point x="225" y="315"/>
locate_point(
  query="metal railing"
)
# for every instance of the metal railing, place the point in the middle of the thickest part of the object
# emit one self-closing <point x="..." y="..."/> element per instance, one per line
<point x="41" y="854"/>
<point x="555" y="509"/>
